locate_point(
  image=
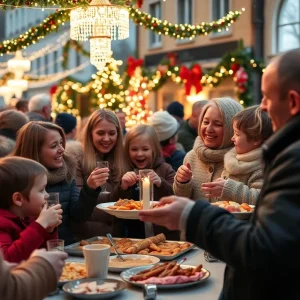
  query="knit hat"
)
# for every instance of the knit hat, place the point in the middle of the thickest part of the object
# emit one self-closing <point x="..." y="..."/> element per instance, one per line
<point x="228" y="108"/>
<point x="176" y="109"/>
<point x="66" y="121"/>
<point x="164" y="125"/>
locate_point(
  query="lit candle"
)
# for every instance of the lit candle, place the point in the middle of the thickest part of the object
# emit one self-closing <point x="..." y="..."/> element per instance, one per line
<point x="146" y="193"/>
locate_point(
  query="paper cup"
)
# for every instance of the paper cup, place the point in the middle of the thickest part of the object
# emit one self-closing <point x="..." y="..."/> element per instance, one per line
<point x="96" y="260"/>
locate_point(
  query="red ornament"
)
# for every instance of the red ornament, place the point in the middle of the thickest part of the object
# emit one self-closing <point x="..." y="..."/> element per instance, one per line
<point x="27" y="3"/>
<point x="234" y="67"/>
<point x="53" y="89"/>
<point x="154" y="25"/>
<point x="241" y="76"/>
<point x="192" y="77"/>
<point x="172" y="58"/>
<point x="139" y="3"/>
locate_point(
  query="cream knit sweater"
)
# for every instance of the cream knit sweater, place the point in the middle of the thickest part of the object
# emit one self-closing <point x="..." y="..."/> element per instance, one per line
<point x="245" y="176"/>
<point x="206" y="164"/>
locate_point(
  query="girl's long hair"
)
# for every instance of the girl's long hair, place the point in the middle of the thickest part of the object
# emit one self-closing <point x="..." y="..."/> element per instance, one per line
<point x="90" y="153"/>
<point x="137" y="132"/>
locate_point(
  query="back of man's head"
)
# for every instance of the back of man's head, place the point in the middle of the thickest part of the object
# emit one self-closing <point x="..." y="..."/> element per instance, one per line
<point x="176" y="109"/>
<point x="22" y="105"/>
<point x="288" y="70"/>
<point x="37" y="102"/>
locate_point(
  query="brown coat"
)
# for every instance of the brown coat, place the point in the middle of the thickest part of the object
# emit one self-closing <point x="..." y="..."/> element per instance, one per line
<point x="100" y="223"/>
<point x="31" y="280"/>
<point x="135" y="228"/>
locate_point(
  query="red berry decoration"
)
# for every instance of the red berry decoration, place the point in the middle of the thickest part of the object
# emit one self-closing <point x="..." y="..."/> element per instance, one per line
<point x="27" y="3"/>
<point x="154" y="25"/>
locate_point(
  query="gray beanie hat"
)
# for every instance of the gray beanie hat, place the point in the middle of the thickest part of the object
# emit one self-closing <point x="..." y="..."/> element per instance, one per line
<point x="228" y="108"/>
<point x="164" y="125"/>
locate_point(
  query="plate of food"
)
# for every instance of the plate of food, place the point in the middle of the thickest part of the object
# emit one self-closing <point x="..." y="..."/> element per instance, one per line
<point x="168" y="275"/>
<point x="124" y="208"/>
<point x="156" y="246"/>
<point x="94" y="288"/>
<point x="72" y="271"/>
<point x="131" y="261"/>
<point x="241" y="211"/>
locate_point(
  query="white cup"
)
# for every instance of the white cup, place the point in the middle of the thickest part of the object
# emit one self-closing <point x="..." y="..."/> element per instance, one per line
<point x="96" y="260"/>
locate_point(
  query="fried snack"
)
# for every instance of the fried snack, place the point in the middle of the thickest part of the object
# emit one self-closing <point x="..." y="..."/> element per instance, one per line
<point x="164" y="270"/>
<point x="154" y="247"/>
<point x="145" y="243"/>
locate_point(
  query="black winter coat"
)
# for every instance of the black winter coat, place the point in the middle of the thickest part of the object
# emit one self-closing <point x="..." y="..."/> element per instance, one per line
<point x="262" y="256"/>
<point x="76" y="205"/>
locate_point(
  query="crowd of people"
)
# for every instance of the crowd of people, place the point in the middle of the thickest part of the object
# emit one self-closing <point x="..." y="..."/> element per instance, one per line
<point x="214" y="155"/>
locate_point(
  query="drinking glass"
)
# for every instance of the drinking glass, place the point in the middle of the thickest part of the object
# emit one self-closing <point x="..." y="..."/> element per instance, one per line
<point x="56" y="245"/>
<point x="136" y="171"/>
<point x="100" y="165"/>
<point x="53" y="199"/>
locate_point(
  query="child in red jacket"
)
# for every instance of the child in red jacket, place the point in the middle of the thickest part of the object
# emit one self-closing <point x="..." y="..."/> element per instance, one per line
<point x="25" y="221"/>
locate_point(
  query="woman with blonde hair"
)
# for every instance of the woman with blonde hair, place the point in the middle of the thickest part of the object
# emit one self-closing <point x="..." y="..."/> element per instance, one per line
<point x="101" y="141"/>
<point x="45" y="143"/>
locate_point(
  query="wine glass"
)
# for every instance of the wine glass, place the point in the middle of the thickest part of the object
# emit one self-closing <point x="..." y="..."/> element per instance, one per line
<point x="103" y="164"/>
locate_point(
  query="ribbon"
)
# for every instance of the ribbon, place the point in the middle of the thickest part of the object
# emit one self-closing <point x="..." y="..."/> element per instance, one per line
<point x="191" y="77"/>
<point x="132" y="64"/>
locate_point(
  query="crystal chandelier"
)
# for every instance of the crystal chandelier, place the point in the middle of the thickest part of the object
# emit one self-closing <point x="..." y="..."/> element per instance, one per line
<point x="114" y="18"/>
<point x="100" y="51"/>
<point x="101" y="22"/>
<point x="18" y="65"/>
<point x="18" y="86"/>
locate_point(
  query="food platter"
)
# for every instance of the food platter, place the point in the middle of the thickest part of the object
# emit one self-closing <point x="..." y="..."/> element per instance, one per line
<point x="76" y="250"/>
<point x="241" y="211"/>
<point x="121" y="214"/>
<point x="131" y="261"/>
<point x="70" y="287"/>
<point x="72" y="271"/>
<point x="126" y="275"/>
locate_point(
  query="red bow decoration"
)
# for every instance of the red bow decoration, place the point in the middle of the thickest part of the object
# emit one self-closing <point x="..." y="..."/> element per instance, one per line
<point x="139" y="3"/>
<point x="191" y="77"/>
<point x="132" y="64"/>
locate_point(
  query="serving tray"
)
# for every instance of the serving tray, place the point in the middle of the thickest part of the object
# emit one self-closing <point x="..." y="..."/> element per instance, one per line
<point x="73" y="249"/>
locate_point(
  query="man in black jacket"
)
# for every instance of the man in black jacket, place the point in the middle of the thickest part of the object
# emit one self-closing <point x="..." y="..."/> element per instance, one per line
<point x="262" y="256"/>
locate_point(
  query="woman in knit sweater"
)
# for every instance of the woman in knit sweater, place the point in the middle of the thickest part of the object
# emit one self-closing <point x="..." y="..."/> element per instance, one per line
<point x="205" y="162"/>
<point x="45" y="143"/>
<point x="242" y="177"/>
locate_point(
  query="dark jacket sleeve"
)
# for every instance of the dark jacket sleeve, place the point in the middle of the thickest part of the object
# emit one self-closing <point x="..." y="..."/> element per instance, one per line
<point x="270" y="242"/>
<point x="82" y="202"/>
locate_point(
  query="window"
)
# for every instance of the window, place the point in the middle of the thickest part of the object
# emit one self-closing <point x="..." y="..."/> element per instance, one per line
<point x="155" y="11"/>
<point x="288" y="26"/>
<point x="55" y="62"/>
<point x="38" y="66"/>
<point x="219" y="8"/>
<point x="78" y="59"/>
<point x="46" y="62"/>
<point x="184" y="11"/>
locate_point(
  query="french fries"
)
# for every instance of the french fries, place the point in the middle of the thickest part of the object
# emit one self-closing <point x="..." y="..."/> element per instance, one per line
<point x="125" y="204"/>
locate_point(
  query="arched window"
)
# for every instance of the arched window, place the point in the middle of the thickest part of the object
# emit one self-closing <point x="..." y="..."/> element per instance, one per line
<point x="288" y="26"/>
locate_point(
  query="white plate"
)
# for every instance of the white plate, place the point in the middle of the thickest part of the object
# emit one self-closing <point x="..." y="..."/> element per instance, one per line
<point x="67" y="288"/>
<point x="120" y="268"/>
<point x="125" y="275"/>
<point x="244" y="215"/>
<point x="121" y="214"/>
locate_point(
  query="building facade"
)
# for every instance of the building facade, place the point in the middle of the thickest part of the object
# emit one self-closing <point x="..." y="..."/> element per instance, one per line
<point x="267" y="27"/>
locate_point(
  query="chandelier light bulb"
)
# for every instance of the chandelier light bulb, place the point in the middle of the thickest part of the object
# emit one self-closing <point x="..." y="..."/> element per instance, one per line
<point x="18" y="65"/>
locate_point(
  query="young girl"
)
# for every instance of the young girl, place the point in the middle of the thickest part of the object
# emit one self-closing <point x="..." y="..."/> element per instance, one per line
<point x="25" y="221"/>
<point x="101" y="141"/>
<point x="45" y="142"/>
<point x="242" y="177"/>
<point x="205" y="162"/>
<point x="142" y="151"/>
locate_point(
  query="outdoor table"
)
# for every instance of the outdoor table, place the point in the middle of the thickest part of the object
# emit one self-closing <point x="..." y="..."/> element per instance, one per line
<point x="210" y="289"/>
